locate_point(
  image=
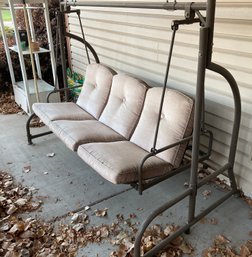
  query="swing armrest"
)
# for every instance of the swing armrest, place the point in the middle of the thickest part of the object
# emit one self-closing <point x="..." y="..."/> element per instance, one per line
<point x="60" y="90"/>
<point x="154" y="152"/>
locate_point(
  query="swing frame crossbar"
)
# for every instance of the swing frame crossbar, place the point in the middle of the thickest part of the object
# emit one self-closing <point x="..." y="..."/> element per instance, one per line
<point x="206" y="32"/>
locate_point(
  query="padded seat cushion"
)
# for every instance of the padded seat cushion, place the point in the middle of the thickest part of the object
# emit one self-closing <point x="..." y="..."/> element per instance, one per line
<point x="48" y="112"/>
<point x="125" y="104"/>
<point x="75" y="133"/>
<point x="95" y="91"/>
<point x="176" y="123"/>
<point x="118" y="162"/>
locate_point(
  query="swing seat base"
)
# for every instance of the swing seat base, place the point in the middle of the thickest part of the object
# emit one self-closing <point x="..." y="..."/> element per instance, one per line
<point x="118" y="162"/>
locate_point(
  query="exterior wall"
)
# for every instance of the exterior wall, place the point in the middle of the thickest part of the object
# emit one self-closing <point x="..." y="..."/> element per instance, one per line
<point x="137" y="42"/>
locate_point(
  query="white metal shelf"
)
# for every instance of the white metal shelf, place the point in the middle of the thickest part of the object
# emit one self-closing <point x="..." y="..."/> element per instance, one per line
<point x="43" y="86"/>
<point x="24" y="90"/>
<point x="27" y="51"/>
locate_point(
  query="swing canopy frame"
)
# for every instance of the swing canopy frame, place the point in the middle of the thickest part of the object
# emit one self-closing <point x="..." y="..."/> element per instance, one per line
<point x="192" y="14"/>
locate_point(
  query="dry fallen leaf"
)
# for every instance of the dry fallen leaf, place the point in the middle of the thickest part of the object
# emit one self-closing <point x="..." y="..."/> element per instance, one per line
<point x="87" y="208"/>
<point x="206" y="193"/>
<point x="78" y="227"/>
<point x="101" y="213"/>
<point x="12" y="209"/>
<point x="27" y="169"/>
<point x="8" y="105"/>
<point x="21" y="202"/>
<point x="220" y="240"/>
<point x="50" y="155"/>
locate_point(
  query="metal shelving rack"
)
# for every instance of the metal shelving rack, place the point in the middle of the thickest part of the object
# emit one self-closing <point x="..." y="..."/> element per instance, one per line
<point x="24" y="90"/>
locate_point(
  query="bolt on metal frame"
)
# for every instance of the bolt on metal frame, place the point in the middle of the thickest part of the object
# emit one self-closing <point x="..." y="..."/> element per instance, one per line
<point x="204" y="62"/>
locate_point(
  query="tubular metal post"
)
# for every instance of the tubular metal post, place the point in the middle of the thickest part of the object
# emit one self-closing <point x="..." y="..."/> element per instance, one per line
<point x="234" y="87"/>
<point x="210" y="24"/>
<point x="237" y="118"/>
<point x="197" y="120"/>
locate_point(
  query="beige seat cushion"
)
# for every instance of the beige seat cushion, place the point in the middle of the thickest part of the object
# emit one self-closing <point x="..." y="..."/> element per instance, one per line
<point x="75" y="133"/>
<point x="96" y="89"/>
<point x="124" y="105"/>
<point x="118" y="162"/>
<point x="48" y="112"/>
<point x="91" y="102"/>
<point x="176" y="123"/>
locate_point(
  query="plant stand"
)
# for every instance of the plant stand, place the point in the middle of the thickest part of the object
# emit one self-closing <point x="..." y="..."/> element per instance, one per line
<point x="24" y="90"/>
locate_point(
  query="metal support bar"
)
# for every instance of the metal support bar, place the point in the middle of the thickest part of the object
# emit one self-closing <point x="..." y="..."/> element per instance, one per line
<point x="197" y="120"/>
<point x="152" y="216"/>
<point x="180" y="231"/>
<point x="141" y="5"/>
<point x="174" y="28"/>
<point x="213" y="175"/>
<point x="237" y="118"/>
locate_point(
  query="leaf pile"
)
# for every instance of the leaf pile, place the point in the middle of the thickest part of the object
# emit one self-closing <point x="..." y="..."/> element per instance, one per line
<point x="27" y="237"/>
<point x="221" y="248"/>
<point x="8" y="105"/>
<point x="152" y="237"/>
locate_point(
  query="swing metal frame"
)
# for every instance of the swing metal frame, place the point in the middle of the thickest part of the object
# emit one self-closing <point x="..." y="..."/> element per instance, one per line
<point x="206" y="33"/>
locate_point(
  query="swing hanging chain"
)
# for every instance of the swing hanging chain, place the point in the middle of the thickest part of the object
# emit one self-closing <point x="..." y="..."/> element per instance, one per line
<point x="174" y="27"/>
<point x="83" y="36"/>
<point x="189" y="19"/>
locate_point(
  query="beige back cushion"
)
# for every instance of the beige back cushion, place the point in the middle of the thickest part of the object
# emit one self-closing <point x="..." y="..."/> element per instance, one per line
<point x="125" y="104"/>
<point x="176" y="123"/>
<point x="96" y="89"/>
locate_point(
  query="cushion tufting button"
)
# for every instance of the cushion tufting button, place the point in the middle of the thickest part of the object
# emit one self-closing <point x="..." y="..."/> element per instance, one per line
<point x="162" y="116"/>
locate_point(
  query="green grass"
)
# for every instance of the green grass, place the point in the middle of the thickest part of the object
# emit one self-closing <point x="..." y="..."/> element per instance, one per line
<point x="6" y="15"/>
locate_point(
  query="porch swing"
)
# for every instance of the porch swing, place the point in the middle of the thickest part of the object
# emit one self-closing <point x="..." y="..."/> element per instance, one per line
<point x="98" y="154"/>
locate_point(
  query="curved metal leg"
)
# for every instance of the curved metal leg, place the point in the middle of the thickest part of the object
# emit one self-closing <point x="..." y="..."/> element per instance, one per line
<point x="28" y="131"/>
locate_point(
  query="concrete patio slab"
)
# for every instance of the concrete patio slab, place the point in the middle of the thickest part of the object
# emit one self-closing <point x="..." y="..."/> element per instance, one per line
<point x="68" y="184"/>
<point x="64" y="181"/>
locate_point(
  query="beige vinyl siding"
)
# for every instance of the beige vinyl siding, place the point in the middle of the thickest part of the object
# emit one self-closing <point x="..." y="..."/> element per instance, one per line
<point x="137" y="42"/>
